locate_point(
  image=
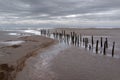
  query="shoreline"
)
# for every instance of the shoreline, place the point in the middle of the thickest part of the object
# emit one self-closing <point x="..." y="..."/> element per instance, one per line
<point x="10" y="68"/>
<point x="36" y="44"/>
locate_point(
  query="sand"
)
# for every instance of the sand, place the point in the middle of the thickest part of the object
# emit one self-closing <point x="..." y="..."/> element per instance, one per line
<point x="61" y="61"/>
<point x="14" y="56"/>
<point x="111" y="34"/>
<point x="76" y="64"/>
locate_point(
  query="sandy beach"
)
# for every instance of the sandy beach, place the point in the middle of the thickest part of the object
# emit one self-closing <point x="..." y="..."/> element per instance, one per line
<point x="59" y="39"/>
<point x="36" y="57"/>
<point x="15" y="50"/>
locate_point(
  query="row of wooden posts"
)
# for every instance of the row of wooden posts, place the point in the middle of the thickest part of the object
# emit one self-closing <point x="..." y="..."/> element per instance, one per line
<point x="79" y="40"/>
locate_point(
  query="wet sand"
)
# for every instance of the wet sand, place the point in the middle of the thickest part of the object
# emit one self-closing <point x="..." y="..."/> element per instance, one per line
<point x="68" y="62"/>
<point x="15" y="50"/>
<point x="76" y="64"/>
<point x="111" y="34"/>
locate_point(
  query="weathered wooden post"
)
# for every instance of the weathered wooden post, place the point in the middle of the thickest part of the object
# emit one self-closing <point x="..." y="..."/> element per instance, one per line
<point x="41" y="32"/>
<point x="104" y="50"/>
<point x="89" y="47"/>
<point x="80" y="39"/>
<point x="86" y="43"/>
<point x="92" y="41"/>
<point x="68" y="36"/>
<point x="44" y="32"/>
<point x="54" y="34"/>
<point x="83" y="41"/>
<point x="64" y="33"/>
<point x="106" y="43"/>
<point x="61" y="37"/>
<point x="101" y="43"/>
<point x="97" y="46"/>
<point x="72" y="39"/>
<point x="113" y="49"/>
<point x="71" y="33"/>
<point x="75" y="40"/>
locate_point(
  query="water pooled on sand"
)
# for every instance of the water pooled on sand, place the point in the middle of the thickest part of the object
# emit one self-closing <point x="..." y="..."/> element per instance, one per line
<point x="39" y="67"/>
<point x="9" y="43"/>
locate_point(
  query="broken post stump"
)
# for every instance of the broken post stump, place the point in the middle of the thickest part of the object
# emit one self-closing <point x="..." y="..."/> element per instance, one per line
<point x="101" y="43"/>
<point x="97" y="46"/>
<point x="86" y="43"/>
<point x="92" y="41"/>
<point x="106" y="43"/>
<point x="104" y="50"/>
<point x="113" y="48"/>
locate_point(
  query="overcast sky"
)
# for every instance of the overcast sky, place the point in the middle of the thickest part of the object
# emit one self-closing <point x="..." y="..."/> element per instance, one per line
<point x="68" y="12"/>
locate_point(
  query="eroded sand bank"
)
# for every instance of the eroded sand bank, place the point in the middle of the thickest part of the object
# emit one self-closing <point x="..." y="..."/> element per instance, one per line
<point x="15" y="53"/>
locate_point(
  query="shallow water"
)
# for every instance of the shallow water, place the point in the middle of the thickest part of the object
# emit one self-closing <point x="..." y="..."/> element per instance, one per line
<point x="11" y="42"/>
<point x="15" y="34"/>
<point x="67" y="43"/>
<point x="32" y="31"/>
<point x="39" y="66"/>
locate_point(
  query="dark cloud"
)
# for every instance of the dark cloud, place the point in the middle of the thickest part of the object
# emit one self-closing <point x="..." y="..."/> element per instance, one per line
<point x="59" y="10"/>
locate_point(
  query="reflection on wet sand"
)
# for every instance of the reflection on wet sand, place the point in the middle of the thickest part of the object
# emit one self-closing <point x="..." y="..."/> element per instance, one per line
<point x="39" y="66"/>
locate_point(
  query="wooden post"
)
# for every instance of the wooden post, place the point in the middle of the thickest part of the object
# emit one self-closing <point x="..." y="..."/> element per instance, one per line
<point x="83" y="41"/>
<point x="41" y="32"/>
<point x="113" y="49"/>
<point x="92" y="41"/>
<point x="86" y="43"/>
<point x="75" y="40"/>
<point x="68" y="36"/>
<point x="106" y="43"/>
<point x="80" y="39"/>
<point x="72" y="39"/>
<point x="97" y="46"/>
<point x="89" y="47"/>
<point x="64" y="32"/>
<point x="71" y="34"/>
<point x="101" y="42"/>
<point x="104" y="50"/>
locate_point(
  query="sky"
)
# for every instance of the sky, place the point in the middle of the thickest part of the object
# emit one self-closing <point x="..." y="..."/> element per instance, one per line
<point x="81" y="13"/>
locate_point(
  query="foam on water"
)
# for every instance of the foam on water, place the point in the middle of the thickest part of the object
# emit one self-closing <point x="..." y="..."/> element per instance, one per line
<point x="11" y="42"/>
<point x="36" y="32"/>
<point x="14" y="34"/>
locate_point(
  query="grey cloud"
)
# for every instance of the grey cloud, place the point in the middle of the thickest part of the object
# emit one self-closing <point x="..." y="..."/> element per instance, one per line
<point x="53" y="9"/>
